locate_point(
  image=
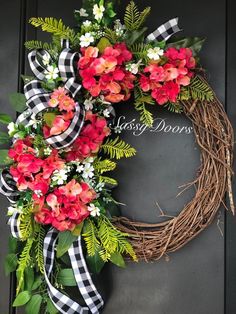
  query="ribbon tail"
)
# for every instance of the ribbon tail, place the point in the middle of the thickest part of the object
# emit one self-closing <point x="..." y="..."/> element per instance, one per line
<point x="82" y="276"/>
<point x="165" y="31"/>
<point x="64" y="304"/>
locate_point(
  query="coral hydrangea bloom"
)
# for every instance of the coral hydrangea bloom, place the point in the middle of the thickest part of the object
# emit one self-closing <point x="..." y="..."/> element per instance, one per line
<point x="106" y="74"/>
<point x="66" y="206"/>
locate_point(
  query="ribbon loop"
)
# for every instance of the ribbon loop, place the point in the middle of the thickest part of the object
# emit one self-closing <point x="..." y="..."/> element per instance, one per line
<point x="67" y="64"/>
<point x="165" y="31"/>
<point x="8" y="186"/>
<point x="36" y="67"/>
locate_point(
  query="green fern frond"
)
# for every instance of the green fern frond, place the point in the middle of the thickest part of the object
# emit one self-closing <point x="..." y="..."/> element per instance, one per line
<point x="142" y="17"/>
<point x="108" y="180"/>
<point x="107" y="235"/>
<point x="139" y="50"/>
<point x="36" y="44"/>
<point x="105" y="165"/>
<point x="90" y="237"/>
<point x="174" y="107"/>
<point x="26" y="226"/>
<point x="39" y="249"/>
<point x="112" y="239"/>
<point x="54" y="26"/>
<point x="117" y="148"/>
<point x="105" y="255"/>
<point x="141" y="99"/>
<point x="133" y="18"/>
<point x="111" y="35"/>
<point x="200" y="90"/>
<point x="145" y="116"/>
<point x="24" y="262"/>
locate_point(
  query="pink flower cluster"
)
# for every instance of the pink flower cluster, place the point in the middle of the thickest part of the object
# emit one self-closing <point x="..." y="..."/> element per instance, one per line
<point x="63" y="207"/>
<point x="60" y="100"/>
<point x="106" y="74"/>
<point x="30" y="171"/>
<point x="165" y="81"/>
<point x="67" y="206"/>
<point x="91" y="138"/>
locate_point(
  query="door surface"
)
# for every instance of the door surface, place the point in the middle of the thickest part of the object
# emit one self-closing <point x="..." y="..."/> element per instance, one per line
<point x="201" y="277"/>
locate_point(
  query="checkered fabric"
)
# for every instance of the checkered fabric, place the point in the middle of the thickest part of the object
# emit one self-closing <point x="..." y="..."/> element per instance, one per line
<point x="37" y="98"/>
<point x="165" y="31"/>
<point x="71" y="133"/>
<point x="63" y="303"/>
<point x="8" y="186"/>
<point x="14" y="223"/>
<point x="36" y="67"/>
<point x="87" y="289"/>
<point x="67" y="63"/>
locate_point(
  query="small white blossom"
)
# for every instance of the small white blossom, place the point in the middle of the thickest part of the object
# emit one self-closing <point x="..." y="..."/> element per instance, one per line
<point x="36" y="150"/>
<point x="88" y="160"/>
<point x="87" y="23"/>
<point x="33" y="121"/>
<point x="133" y="67"/>
<point x="82" y="12"/>
<point x="51" y="73"/>
<point x="38" y="193"/>
<point x="155" y="53"/>
<point x="103" y="101"/>
<point x="46" y="59"/>
<point x="86" y="40"/>
<point x="80" y="168"/>
<point x="13" y="209"/>
<point x="47" y="151"/>
<point x="88" y="171"/>
<point x="12" y="128"/>
<point x="94" y="211"/>
<point x="59" y="176"/>
<point x="98" y="11"/>
<point x="99" y="187"/>
<point x="106" y="113"/>
<point x="88" y="104"/>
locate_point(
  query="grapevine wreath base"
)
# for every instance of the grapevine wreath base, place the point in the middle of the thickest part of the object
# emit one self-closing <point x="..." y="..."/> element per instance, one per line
<point x="214" y="135"/>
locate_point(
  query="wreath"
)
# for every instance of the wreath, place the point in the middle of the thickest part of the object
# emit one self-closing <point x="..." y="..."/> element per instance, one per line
<point x="63" y="145"/>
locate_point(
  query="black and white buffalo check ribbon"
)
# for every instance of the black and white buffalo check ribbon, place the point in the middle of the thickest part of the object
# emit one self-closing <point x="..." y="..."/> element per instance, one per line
<point x="8" y="186"/>
<point x="87" y="289"/>
<point x="8" y="189"/>
<point x="165" y="31"/>
<point x="37" y="98"/>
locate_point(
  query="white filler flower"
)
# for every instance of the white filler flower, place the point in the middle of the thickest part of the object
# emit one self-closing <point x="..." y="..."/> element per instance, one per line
<point x="47" y="151"/>
<point x="88" y="104"/>
<point x="33" y="121"/>
<point x="59" y="176"/>
<point x="88" y="171"/>
<point x="46" y="59"/>
<point x="106" y="113"/>
<point x="12" y="128"/>
<point x="155" y="53"/>
<point x="51" y="73"/>
<point x="86" y="40"/>
<point x="87" y="23"/>
<point x="98" y="11"/>
<point x="82" y="12"/>
<point x="94" y="211"/>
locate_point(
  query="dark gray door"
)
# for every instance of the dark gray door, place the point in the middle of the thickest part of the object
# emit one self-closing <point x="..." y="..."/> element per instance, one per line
<point x="199" y="279"/>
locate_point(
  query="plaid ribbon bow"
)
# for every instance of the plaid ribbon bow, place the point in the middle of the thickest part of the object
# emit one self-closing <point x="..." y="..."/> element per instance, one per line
<point x="37" y="98"/>
<point x="165" y="31"/>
